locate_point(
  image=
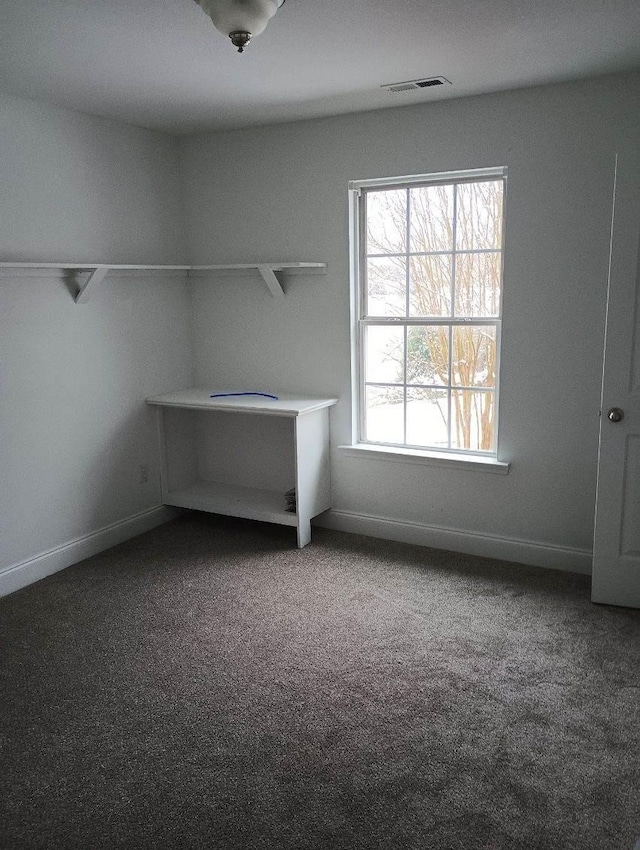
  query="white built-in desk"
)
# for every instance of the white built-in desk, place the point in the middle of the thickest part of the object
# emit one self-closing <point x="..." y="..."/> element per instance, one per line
<point x="238" y="455"/>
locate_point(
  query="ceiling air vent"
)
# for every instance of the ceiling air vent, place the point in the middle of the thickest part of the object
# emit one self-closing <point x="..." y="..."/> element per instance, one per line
<point x="413" y="85"/>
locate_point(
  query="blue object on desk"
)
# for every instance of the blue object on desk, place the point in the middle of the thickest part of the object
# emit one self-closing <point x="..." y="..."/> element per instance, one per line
<point x="223" y="395"/>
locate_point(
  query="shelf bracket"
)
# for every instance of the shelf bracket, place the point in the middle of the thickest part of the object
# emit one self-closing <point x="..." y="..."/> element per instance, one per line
<point x="91" y="284"/>
<point x="271" y="279"/>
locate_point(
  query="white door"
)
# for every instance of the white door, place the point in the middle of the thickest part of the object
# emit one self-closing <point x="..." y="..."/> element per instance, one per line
<point x="616" y="548"/>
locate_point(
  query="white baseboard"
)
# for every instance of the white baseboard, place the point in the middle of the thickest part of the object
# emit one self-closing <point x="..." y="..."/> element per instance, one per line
<point x="471" y="543"/>
<point x="20" y="575"/>
<point x="488" y="546"/>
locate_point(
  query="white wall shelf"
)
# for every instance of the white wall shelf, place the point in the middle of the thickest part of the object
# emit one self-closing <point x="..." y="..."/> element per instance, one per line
<point x="95" y="273"/>
<point x="190" y="476"/>
<point x="271" y="273"/>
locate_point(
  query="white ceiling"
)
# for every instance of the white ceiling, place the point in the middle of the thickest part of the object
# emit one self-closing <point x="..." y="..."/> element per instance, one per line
<point x="162" y="64"/>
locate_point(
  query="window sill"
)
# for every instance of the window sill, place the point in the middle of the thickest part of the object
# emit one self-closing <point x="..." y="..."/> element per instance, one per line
<point x="475" y="463"/>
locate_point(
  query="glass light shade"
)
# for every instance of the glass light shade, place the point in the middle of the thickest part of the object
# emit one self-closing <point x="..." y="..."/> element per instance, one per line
<point x="250" y="16"/>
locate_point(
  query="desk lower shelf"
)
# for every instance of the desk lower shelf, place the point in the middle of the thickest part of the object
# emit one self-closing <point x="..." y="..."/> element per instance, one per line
<point x="233" y="500"/>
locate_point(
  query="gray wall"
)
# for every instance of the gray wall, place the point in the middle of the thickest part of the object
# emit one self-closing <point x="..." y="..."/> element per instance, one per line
<point x="280" y="193"/>
<point x="73" y="426"/>
<point x="75" y="187"/>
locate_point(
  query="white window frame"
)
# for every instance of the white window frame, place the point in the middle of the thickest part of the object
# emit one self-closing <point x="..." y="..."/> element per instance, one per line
<point x="357" y="190"/>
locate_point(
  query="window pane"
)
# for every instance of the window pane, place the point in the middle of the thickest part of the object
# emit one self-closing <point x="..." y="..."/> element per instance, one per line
<point x="430" y="286"/>
<point x="427" y="418"/>
<point x="384" y="355"/>
<point x="473" y="415"/>
<point x="387" y="222"/>
<point x="386" y="286"/>
<point x="427" y="354"/>
<point x="384" y="417"/>
<point x="479" y="215"/>
<point x="474" y="356"/>
<point x="431" y="218"/>
<point x="478" y="284"/>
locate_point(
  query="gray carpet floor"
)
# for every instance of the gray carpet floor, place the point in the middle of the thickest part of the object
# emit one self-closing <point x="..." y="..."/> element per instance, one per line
<point x="207" y="685"/>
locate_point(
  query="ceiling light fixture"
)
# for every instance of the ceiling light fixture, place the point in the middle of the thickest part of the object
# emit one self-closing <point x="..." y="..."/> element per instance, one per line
<point x="240" y="19"/>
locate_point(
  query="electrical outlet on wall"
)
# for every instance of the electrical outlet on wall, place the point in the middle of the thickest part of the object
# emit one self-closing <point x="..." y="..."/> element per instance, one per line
<point x="143" y="473"/>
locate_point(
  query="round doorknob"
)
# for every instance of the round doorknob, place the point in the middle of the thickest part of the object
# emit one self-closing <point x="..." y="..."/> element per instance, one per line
<point x="615" y="414"/>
